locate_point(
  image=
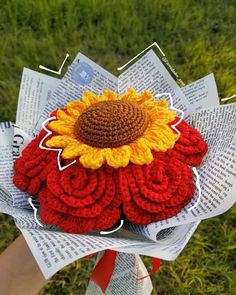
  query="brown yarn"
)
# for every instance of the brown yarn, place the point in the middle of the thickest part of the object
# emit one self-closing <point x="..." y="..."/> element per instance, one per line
<point x="111" y="124"/>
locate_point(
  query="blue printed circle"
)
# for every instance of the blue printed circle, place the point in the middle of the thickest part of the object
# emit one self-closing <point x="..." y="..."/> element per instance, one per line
<point x="82" y="73"/>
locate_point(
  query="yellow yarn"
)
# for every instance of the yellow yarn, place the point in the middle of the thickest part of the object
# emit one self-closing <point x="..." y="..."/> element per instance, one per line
<point x="157" y="137"/>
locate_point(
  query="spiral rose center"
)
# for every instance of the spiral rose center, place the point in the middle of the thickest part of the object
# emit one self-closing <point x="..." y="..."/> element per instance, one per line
<point x="111" y="124"/>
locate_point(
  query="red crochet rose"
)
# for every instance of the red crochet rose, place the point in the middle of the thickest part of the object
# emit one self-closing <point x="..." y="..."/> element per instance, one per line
<point x="79" y="200"/>
<point x="32" y="168"/>
<point x="190" y="147"/>
<point x="156" y="191"/>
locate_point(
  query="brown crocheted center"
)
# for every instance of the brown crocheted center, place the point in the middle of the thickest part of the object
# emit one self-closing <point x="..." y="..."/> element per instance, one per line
<point x="111" y="124"/>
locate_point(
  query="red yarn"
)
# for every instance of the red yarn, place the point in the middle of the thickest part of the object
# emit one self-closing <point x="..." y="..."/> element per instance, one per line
<point x="79" y="200"/>
<point x="156" y="191"/>
<point x="190" y="147"/>
<point x="31" y="169"/>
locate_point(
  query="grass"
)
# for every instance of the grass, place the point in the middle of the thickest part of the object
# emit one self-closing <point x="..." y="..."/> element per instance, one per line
<point x="198" y="38"/>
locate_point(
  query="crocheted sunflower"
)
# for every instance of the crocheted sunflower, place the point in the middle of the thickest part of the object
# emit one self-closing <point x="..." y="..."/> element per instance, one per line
<point x="128" y="161"/>
<point x="113" y="129"/>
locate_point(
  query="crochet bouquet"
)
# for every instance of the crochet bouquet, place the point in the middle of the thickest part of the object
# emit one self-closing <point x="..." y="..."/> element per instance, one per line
<point x="104" y="157"/>
<point x="127" y="165"/>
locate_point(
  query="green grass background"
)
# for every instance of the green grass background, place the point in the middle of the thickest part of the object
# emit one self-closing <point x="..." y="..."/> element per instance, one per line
<point x="198" y="38"/>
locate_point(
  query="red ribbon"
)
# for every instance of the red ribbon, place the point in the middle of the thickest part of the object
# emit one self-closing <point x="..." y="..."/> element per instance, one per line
<point x="156" y="262"/>
<point x="103" y="270"/>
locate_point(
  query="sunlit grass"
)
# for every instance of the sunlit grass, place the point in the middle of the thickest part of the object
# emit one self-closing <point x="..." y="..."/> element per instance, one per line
<point x="198" y="37"/>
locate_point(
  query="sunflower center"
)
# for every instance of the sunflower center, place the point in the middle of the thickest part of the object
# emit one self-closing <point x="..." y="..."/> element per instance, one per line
<point x="111" y="124"/>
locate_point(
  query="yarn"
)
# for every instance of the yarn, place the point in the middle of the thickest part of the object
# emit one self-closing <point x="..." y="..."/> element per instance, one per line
<point x="156" y="191"/>
<point x="80" y="199"/>
<point x="113" y="129"/>
<point x="128" y="161"/>
<point x="190" y="147"/>
<point x="32" y="168"/>
<point x="111" y="124"/>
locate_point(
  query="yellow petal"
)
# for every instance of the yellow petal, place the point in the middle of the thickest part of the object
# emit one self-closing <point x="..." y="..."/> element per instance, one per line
<point x="160" y="138"/>
<point x="63" y="116"/>
<point x="74" y="113"/>
<point x="61" y="128"/>
<point x="160" y="115"/>
<point x="110" y="95"/>
<point x="75" y="150"/>
<point x="60" y="141"/>
<point x="145" y="96"/>
<point x="162" y="103"/>
<point x="148" y="105"/>
<point x="93" y="158"/>
<point x="130" y="95"/>
<point x="90" y="98"/>
<point x="117" y="157"/>
<point x="152" y="103"/>
<point x="75" y="108"/>
<point x="141" y="153"/>
<point x="76" y="104"/>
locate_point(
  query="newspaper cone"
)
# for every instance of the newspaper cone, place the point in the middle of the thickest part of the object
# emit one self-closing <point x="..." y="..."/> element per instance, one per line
<point x="124" y="281"/>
